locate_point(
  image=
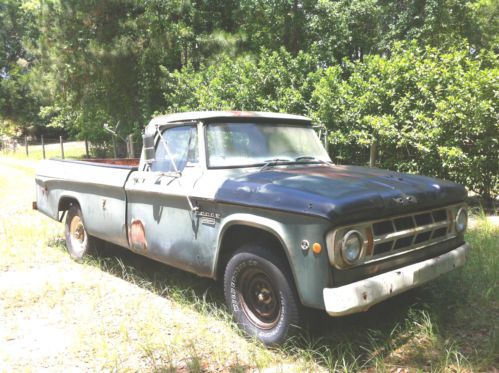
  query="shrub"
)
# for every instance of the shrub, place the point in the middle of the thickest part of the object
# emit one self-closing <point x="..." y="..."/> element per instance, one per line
<point x="429" y="111"/>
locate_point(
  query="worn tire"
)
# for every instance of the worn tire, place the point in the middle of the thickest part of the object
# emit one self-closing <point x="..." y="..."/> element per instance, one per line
<point x="259" y="292"/>
<point x="78" y="242"/>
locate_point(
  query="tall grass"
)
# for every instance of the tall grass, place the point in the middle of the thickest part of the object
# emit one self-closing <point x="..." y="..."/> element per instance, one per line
<point x="448" y="325"/>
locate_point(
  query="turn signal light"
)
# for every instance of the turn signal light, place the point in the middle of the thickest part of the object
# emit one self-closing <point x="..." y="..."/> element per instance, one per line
<point x="316" y="248"/>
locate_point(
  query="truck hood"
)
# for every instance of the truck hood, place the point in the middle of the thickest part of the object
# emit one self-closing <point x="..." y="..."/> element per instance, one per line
<point x="339" y="193"/>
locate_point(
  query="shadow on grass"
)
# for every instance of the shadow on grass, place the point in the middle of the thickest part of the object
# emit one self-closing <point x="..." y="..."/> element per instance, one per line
<point x="345" y="343"/>
<point x="431" y="328"/>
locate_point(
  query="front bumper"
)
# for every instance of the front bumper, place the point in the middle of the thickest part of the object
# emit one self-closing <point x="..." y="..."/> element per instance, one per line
<point x="361" y="295"/>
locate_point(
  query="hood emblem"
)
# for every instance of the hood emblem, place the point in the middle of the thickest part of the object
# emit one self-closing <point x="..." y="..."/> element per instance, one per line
<point x="405" y="200"/>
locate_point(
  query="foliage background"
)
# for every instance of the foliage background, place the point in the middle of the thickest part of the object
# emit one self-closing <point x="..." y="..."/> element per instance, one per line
<point x="417" y="77"/>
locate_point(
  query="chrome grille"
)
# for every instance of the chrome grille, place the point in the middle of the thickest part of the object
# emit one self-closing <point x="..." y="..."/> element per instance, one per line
<point x="396" y="235"/>
<point x="410" y="231"/>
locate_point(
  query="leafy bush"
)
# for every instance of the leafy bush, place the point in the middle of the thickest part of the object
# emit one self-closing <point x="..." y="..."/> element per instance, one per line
<point x="276" y="82"/>
<point x="429" y="111"/>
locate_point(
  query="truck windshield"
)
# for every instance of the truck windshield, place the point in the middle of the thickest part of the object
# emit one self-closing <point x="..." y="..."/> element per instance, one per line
<point x="256" y="144"/>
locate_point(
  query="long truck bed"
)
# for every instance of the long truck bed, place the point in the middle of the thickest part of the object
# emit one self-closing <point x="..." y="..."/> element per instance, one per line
<point x="100" y="188"/>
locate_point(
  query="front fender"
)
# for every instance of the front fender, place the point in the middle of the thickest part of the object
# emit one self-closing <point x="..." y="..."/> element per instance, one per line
<point x="311" y="272"/>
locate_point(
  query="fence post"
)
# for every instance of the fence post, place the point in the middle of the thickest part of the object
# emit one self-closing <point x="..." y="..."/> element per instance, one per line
<point x="115" y="151"/>
<point x="87" y="154"/>
<point x="62" y="147"/>
<point x="26" y="145"/>
<point x="43" y="147"/>
<point x="372" y="155"/>
<point x="326" y="141"/>
<point x="131" y="150"/>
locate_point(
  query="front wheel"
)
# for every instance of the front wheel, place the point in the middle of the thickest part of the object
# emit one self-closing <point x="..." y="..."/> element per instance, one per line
<point x="78" y="242"/>
<point x="259" y="291"/>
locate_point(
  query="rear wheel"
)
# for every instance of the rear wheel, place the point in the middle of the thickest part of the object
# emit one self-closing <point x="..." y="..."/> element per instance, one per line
<point x="78" y="242"/>
<point x="259" y="292"/>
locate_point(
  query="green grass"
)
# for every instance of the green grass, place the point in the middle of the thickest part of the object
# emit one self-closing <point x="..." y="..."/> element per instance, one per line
<point x="119" y="311"/>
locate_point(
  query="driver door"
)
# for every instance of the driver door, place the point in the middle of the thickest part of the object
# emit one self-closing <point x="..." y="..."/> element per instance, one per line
<point x="160" y="222"/>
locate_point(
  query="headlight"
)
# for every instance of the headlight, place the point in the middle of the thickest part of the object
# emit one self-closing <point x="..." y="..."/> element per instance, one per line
<point x="351" y="247"/>
<point x="461" y="220"/>
<point x="348" y="246"/>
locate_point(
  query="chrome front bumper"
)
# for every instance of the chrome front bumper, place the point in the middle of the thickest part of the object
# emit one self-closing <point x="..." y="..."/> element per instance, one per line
<point x="361" y="295"/>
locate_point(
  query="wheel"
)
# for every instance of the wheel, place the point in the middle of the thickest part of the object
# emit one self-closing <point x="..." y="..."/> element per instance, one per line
<point x="78" y="242"/>
<point x="259" y="292"/>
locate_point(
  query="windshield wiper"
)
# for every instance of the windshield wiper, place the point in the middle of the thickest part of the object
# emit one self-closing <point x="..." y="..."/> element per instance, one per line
<point x="273" y="162"/>
<point x="305" y="158"/>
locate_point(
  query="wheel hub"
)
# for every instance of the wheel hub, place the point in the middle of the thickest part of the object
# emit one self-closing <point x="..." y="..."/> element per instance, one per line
<point x="264" y="296"/>
<point x="77" y="230"/>
<point x="258" y="299"/>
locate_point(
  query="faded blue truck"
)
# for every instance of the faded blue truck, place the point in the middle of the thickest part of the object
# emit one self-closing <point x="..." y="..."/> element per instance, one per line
<point x="253" y="199"/>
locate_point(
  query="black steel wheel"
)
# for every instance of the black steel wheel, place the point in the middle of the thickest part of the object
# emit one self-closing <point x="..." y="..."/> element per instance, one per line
<point x="259" y="291"/>
<point x="78" y="242"/>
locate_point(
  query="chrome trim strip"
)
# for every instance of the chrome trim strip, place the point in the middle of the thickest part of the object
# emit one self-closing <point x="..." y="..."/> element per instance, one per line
<point x="409" y="232"/>
<point x="394" y="254"/>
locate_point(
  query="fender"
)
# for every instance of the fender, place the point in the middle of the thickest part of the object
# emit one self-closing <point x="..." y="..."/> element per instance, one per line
<point x="67" y="195"/>
<point x="269" y="225"/>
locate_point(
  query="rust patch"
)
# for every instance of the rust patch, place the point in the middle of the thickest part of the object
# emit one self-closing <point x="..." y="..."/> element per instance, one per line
<point x="116" y="161"/>
<point x="137" y="235"/>
<point x="242" y="113"/>
<point x="319" y="172"/>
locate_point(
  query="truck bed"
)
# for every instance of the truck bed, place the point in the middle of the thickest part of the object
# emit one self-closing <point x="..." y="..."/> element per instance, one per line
<point x="97" y="186"/>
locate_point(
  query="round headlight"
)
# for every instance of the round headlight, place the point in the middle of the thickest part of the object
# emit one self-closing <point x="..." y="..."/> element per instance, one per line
<point x="352" y="246"/>
<point x="461" y="220"/>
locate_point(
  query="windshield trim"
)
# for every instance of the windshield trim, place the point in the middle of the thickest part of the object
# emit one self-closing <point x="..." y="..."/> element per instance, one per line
<point x="263" y="121"/>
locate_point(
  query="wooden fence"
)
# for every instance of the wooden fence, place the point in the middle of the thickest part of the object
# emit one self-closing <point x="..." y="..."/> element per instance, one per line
<point x="26" y="145"/>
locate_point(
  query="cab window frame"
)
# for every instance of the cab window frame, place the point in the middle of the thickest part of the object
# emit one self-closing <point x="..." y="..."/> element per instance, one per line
<point x="192" y="126"/>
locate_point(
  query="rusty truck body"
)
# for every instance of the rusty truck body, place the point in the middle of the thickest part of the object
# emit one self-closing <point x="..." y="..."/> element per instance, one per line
<point x="253" y="199"/>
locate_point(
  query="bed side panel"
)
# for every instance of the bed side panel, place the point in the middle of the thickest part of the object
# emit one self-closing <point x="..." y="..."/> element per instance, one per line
<point x="98" y="189"/>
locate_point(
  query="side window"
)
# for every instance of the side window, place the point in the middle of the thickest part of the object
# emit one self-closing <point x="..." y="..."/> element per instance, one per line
<point x="182" y="144"/>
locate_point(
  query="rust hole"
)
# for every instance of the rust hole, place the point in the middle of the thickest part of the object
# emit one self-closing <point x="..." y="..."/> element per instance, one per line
<point x="137" y="235"/>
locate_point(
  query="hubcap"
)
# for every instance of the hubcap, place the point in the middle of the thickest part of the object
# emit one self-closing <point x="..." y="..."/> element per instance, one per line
<point x="259" y="300"/>
<point x="77" y="234"/>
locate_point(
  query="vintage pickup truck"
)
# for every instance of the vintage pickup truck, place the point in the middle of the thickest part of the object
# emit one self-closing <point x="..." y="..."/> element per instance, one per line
<point x="253" y="199"/>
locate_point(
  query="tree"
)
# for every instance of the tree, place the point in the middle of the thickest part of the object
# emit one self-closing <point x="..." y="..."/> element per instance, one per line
<point x="18" y="103"/>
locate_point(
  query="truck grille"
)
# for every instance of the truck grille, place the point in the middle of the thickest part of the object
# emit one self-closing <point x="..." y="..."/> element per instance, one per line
<point x="408" y="232"/>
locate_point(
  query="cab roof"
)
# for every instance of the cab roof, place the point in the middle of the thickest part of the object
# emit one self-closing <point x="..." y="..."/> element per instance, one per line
<point x="173" y="119"/>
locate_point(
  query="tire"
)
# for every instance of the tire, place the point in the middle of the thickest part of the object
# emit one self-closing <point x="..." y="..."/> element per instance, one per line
<point x="78" y="242"/>
<point x="260" y="293"/>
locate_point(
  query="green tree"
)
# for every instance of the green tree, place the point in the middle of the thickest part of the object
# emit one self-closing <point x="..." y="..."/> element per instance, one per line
<point x="18" y="102"/>
<point x="277" y="81"/>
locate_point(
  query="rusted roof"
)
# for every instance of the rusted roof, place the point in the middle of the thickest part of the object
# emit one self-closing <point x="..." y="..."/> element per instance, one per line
<point x="201" y="115"/>
<point x="172" y="119"/>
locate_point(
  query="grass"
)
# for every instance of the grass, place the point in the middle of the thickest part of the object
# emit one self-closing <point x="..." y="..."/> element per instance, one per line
<point x="122" y="312"/>
<point x="75" y="149"/>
